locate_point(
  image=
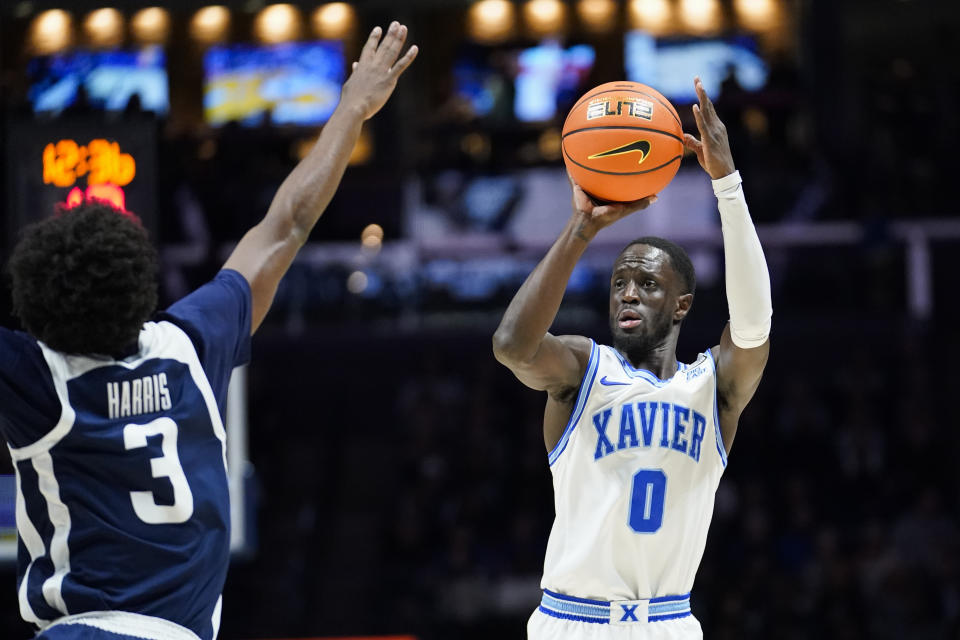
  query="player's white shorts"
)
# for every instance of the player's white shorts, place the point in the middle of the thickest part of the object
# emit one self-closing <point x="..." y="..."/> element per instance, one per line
<point x="562" y="617"/>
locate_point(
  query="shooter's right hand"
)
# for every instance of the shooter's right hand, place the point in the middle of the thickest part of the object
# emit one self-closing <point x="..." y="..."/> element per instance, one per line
<point x="594" y="217"/>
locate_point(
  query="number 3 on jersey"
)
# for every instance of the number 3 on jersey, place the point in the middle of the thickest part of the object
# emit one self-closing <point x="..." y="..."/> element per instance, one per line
<point x="646" y="501"/>
<point x="166" y="466"/>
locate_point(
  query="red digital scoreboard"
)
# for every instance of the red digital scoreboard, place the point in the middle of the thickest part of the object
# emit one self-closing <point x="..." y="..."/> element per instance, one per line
<point x="62" y="162"/>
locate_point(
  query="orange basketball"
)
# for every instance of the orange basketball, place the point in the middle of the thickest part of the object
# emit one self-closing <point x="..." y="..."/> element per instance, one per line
<point x="622" y="141"/>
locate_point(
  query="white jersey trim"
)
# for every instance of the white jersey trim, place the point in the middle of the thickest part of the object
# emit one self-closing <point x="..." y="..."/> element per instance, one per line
<point x="189" y="356"/>
<point x="721" y="447"/>
<point x="34" y="544"/>
<point x="585" y="386"/>
<point x="47" y="482"/>
<point x="60" y="374"/>
<point x="60" y="519"/>
<point x="129" y="624"/>
<point x="644" y="374"/>
<point x="215" y="618"/>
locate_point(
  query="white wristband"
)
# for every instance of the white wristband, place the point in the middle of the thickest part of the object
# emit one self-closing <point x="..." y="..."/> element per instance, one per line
<point x="747" y="277"/>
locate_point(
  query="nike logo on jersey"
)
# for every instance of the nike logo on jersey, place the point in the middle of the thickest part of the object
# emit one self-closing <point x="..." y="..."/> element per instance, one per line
<point x="640" y="146"/>
<point x="611" y="383"/>
<point x="680" y="428"/>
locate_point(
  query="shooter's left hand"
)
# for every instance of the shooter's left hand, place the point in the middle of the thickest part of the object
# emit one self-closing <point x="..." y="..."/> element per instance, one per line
<point x="713" y="148"/>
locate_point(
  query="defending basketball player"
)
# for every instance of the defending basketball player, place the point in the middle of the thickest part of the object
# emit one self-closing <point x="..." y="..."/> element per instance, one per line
<point x="637" y="442"/>
<point x="115" y="422"/>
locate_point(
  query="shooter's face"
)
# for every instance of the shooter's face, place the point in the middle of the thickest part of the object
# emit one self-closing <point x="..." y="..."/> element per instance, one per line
<point x="643" y="298"/>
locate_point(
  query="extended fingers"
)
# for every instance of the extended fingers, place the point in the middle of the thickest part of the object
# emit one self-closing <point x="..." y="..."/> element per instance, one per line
<point x="642" y="203"/>
<point x="622" y="210"/>
<point x="698" y="87"/>
<point x="370" y="46"/>
<point x="698" y="117"/>
<point x="701" y="93"/>
<point x="405" y="61"/>
<point x="706" y="104"/>
<point x="385" y="51"/>
<point x="574" y="186"/>
<point x="580" y="198"/>
<point x="389" y="49"/>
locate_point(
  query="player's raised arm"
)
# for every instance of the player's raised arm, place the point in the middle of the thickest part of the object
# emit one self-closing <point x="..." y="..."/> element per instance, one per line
<point x="745" y="341"/>
<point x="267" y="250"/>
<point x="522" y="342"/>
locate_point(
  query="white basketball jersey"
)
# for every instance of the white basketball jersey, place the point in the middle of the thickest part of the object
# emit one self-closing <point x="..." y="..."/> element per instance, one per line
<point x="634" y="478"/>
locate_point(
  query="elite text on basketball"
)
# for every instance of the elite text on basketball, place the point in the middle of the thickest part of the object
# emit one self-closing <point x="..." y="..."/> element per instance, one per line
<point x="635" y="107"/>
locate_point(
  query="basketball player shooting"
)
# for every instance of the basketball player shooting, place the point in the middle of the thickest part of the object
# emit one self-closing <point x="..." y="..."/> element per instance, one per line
<point x="115" y="422"/>
<point x="637" y="441"/>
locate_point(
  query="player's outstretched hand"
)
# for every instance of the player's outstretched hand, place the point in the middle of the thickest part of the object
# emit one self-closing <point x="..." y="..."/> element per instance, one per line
<point x="594" y="217"/>
<point x="375" y="75"/>
<point x="713" y="148"/>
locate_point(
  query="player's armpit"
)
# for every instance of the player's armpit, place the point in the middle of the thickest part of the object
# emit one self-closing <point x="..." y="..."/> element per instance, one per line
<point x="557" y="366"/>
<point x="738" y="375"/>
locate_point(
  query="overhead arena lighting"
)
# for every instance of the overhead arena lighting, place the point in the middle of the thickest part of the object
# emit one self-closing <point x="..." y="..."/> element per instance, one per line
<point x="655" y="16"/>
<point x="700" y="16"/>
<point x="759" y="15"/>
<point x="491" y="21"/>
<point x="104" y="27"/>
<point x="277" y="23"/>
<point x="51" y="31"/>
<point x="151" y="25"/>
<point x="544" y="17"/>
<point x="597" y="16"/>
<point x="334" y="20"/>
<point x="210" y="24"/>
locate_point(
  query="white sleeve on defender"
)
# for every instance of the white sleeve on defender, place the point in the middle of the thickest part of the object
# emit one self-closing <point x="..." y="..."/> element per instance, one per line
<point x="747" y="277"/>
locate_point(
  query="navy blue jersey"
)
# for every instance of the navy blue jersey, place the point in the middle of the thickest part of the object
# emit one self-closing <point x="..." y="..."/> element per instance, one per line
<point x="122" y="500"/>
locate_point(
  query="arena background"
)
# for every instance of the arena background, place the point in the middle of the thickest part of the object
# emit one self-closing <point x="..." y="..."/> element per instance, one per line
<point x="399" y="483"/>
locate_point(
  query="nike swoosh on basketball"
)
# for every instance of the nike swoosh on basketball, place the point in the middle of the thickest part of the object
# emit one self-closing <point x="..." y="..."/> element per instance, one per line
<point x="611" y="383"/>
<point x="640" y="146"/>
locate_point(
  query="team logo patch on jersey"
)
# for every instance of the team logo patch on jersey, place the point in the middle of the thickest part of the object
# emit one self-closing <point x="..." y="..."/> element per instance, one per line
<point x="693" y="374"/>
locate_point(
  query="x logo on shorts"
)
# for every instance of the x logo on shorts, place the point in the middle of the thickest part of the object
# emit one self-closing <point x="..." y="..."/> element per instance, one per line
<point x="629" y="613"/>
